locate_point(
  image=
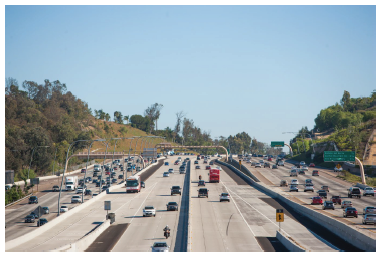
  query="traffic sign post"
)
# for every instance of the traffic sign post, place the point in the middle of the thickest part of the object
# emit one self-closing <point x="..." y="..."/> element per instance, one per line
<point x="279" y="217"/>
<point x="277" y="144"/>
<point x="107" y="207"/>
<point x="330" y="156"/>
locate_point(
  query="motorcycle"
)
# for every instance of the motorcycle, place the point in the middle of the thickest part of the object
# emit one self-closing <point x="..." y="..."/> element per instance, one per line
<point x="167" y="234"/>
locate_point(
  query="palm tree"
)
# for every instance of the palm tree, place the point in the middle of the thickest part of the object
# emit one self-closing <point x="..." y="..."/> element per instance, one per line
<point x="126" y="118"/>
<point x="107" y="117"/>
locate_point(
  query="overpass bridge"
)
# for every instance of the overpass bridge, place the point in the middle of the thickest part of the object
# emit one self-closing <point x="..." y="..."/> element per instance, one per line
<point x="169" y="146"/>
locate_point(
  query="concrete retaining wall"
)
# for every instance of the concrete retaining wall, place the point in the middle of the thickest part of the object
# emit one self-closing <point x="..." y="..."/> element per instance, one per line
<point x="190" y="212"/>
<point x="289" y="244"/>
<point x="346" y="232"/>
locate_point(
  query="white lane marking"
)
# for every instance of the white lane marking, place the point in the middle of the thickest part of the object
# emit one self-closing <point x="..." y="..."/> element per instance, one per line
<point x="244" y="219"/>
<point x="142" y="204"/>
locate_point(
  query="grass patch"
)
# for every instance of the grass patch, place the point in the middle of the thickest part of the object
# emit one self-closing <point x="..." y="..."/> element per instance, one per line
<point x="345" y="175"/>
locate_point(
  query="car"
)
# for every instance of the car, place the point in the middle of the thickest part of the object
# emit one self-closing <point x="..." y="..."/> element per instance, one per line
<point x="201" y="183"/>
<point x="294" y="181"/>
<point x="55" y="188"/>
<point x="293" y="187"/>
<point x="265" y="157"/>
<point x="211" y="163"/>
<point x="33" y="200"/>
<point x="326" y="188"/>
<point x="97" y="184"/>
<point x="284" y="183"/>
<point x="104" y="187"/>
<point x="120" y="176"/>
<point x="30" y="219"/>
<point x="301" y="172"/>
<point x="203" y="192"/>
<point x="172" y="206"/>
<point x="258" y="165"/>
<point x="369" y="218"/>
<point x="208" y="167"/>
<point x="346" y="204"/>
<point x="36" y="216"/>
<point x="269" y="159"/>
<point x="197" y="167"/>
<point x="41" y="222"/>
<point x="63" y="209"/>
<point x="166" y="174"/>
<point x="205" y="161"/>
<point x="315" y="173"/>
<point x="176" y="190"/>
<point x="166" y="163"/>
<point x="336" y="200"/>
<point x="309" y="187"/>
<point x="293" y="172"/>
<point x="160" y="247"/>
<point x="149" y="210"/>
<point x="196" y="162"/>
<point x="108" y="172"/>
<point x="322" y="193"/>
<point x="311" y="165"/>
<point x="328" y="205"/>
<point x="354" y="192"/>
<point x="302" y="163"/>
<point x="94" y="175"/>
<point x="176" y="163"/>
<point x="261" y="162"/>
<point x="171" y="170"/>
<point x="274" y="166"/>
<point x="369" y="191"/>
<point x="350" y="211"/>
<point x="266" y="164"/>
<point x="88" y="192"/>
<point x="305" y="168"/>
<point x="45" y="210"/>
<point x="316" y="201"/>
<point x="76" y="199"/>
<point x="142" y="184"/>
<point x="369" y="210"/>
<point x="114" y="180"/>
<point x="83" y="170"/>
<point x="338" y="169"/>
<point x="88" y="179"/>
<point x="179" y="159"/>
<point x="224" y="197"/>
<point x="80" y="190"/>
<point x="308" y="181"/>
<point x="281" y="163"/>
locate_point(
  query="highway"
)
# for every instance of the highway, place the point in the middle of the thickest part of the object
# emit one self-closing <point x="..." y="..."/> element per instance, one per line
<point x="272" y="177"/>
<point x="15" y="214"/>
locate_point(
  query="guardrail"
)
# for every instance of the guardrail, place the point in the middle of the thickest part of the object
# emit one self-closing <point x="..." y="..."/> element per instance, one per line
<point x="346" y="232"/>
<point x="18" y="200"/>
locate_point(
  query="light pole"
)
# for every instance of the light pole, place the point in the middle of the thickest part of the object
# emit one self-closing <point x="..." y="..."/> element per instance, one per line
<point x="64" y="170"/>
<point x="31" y="157"/>
<point x="55" y="158"/>
<point x="88" y="158"/>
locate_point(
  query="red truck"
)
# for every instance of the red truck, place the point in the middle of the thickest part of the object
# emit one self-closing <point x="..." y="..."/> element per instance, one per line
<point x="214" y="175"/>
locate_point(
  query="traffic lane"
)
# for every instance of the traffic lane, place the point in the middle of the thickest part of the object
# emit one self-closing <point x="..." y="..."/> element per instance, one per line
<point x="221" y="226"/>
<point x="318" y="181"/>
<point x="305" y="198"/>
<point x="144" y="231"/>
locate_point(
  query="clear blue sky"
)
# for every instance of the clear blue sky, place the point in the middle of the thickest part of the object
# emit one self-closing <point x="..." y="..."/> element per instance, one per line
<point x="259" y="69"/>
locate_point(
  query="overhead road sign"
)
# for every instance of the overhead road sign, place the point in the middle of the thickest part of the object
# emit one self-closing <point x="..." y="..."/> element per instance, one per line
<point x="277" y="144"/>
<point x="330" y="156"/>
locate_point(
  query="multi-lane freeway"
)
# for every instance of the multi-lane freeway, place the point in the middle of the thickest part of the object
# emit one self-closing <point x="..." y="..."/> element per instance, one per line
<point x="201" y="224"/>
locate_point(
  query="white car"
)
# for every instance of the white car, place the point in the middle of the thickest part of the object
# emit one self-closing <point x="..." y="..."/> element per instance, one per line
<point x="79" y="190"/>
<point x="281" y="163"/>
<point x="258" y="165"/>
<point x="63" y="208"/>
<point x="149" y="211"/>
<point x="369" y="191"/>
<point x="170" y="171"/>
<point x="248" y="161"/>
<point x="302" y="163"/>
<point x="294" y="181"/>
<point x="309" y="187"/>
<point x="166" y="174"/>
<point x="265" y="157"/>
<point x="261" y="162"/>
<point x="293" y="188"/>
<point x="293" y="172"/>
<point x="76" y="199"/>
<point x="305" y="168"/>
<point x="160" y="247"/>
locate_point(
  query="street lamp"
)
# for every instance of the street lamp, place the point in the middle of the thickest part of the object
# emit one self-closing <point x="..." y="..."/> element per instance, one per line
<point x="64" y="170"/>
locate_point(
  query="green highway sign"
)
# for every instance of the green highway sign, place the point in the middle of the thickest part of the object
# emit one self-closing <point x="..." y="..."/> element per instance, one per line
<point x="277" y="144"/>
<point x="329" y="156"/>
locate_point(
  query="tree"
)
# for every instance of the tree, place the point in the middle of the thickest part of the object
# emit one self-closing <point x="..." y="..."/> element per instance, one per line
<point x="180" y="115"/>
<point x="118" y="117"/>
<point x="126" y="118"/>
<point x="107" y="117"/>
<point x="345" y="100"/>
<point x="140" y="122"/>
<point x="153" y="113"/>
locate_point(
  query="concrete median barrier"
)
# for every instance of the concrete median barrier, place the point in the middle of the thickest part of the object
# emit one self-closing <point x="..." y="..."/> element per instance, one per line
<point x="288" y="243"/>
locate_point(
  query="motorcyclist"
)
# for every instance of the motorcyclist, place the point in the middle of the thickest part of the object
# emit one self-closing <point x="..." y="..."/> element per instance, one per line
<point x="200" y="177"/>
<point x="167" y="231"/>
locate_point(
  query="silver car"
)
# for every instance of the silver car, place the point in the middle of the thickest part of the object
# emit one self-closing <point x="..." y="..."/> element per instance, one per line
<point x="369" y="218"/>
<point x="309" y="187"/>
<point x="369" y="210"/>
<point x="258" y="165"/>
<point x="293" y="188"/>
<point x="160" y="247"/>
<point x="76" y="199"/>
<point x="166" y="174"/>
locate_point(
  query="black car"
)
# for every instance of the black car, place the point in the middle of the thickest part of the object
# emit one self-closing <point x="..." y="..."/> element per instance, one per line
<point x="203" y="192"/>
<point x="120" y="176"/>
<point x="41" y="222"/>
<point x="34" y="214"/>
<point x="95" y="175"/>
<point x="274" y="166"/>
<point x="211" y="163"/>
<point x="45" y="210"/>
<point x="176" y="190"/>
<point x="201" y="183"/>
<point x="29" y="219"/>
<point x="266" y="164"/>
<point x="97" y="184"/>
<point x="88" y="192"/>
<point x="33" y="200"/>
<point x="55" y="188"/>
<point x="142" y="184"/>
<point x="322" y="193"/>
<point x="172" y="206"/>
<point x="114" y="180"/>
